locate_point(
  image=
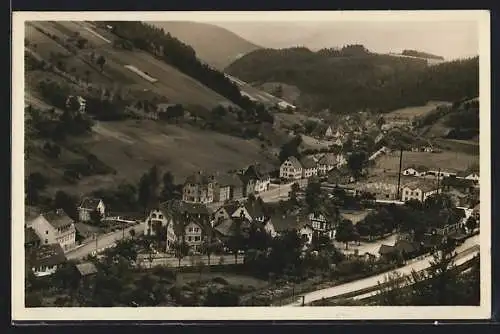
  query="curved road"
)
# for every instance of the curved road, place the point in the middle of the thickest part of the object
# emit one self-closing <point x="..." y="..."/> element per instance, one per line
<point x="373" y="281"/>
<point x="103" y="241"/>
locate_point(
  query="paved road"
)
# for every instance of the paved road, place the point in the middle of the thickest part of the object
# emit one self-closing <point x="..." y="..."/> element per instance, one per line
<point x="103" y="241"/>
<point x="461" y="259"/>
<point x="276" y="192"/>
<point x="189" y="261"/>
<point x="372" y="281"/>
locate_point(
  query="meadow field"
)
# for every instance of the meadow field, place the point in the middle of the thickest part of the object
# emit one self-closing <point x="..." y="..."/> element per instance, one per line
<point x="132" y="147"/>
<point x="453" y="161"/>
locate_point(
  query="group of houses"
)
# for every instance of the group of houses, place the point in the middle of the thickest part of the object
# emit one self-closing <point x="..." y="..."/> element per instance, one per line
<point x="207" y="188"/>
<point x="195" y="224"/>
<point x="50" y="235"/>
<point x="295" y="169"/>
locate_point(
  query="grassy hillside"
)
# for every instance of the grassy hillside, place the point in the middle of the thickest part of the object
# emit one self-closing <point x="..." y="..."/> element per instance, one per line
<point x="353" y="78"/>
<point x="63" y="58"/>
<point x="130" y="148"/>
<point x="216" y="46"/>
<point x="49" y="41"/>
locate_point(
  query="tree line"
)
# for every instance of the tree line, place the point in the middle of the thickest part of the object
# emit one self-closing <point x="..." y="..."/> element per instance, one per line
<point x="171" y="50"/>
<point x="360" y="81"/>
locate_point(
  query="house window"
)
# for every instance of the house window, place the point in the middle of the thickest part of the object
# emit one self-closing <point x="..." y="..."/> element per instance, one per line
<point x="197" y="229"/>
<point x="153" y="215"/>
<point x="46" y="232"/>
<point x="160" y="216"/>
<point x="190" y="238"/>
<point x="46" y="241"/>
<point x="197" y="238"/>
<point x="190" y="229"/>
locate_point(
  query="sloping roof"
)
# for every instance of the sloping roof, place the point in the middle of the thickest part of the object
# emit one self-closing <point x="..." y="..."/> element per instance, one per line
<point x="295" y="162"/>
<point x="287" y="222"/>
<point x="419" y="168"/>
<point x="457" y="182"/>
<point x="90" y="203"/>
<point x="30" y="236"/>
<point x="225" y="228"/>
<point x="424" y="185"/>
<point x="431" y="240"/>
<point x="58" y="219"/>
<point x="386" y="249"/>
<point x="176" y="206"/>
<point x="86" y="268"/>
<point x="328" y="159"/>
<point x="257" y="171"/>
<point x="254" y="209"/>
<point x="229" y="180"/>
<point x="230" y="207"/>
<point x="199" y="178"/>
<point x="46" y="255"/>
<point x="307" y="162"/>
<point x="406" y="246"/>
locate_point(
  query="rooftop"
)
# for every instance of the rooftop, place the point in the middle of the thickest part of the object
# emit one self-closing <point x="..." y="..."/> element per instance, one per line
<point x="307" y="162"/>
<point x="46" y="255"/>
<point x="295" y="162"/>
<point x="90" y="203"/>
<point x="227" y="179"/>
<point x="424" y="185"/>
<point x="86" y="268"/>
<point x="58" y="218"/>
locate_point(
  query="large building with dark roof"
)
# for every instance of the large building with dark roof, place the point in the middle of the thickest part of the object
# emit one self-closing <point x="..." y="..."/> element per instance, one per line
<point x="55" y="227"/>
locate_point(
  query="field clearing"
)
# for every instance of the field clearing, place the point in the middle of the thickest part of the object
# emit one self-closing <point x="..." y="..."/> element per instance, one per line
<point x="447" y="160"/>
<point x="132" y="147"/>
<point x="465" y="146"/>
<point x="313" y="143"/>
<point x="173" y="85"/>
<point x="410" y="112"/>
<point x="287" y="120"/>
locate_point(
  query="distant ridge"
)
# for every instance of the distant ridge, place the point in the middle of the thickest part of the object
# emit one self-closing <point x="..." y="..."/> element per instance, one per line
<point x="214" y="45"/>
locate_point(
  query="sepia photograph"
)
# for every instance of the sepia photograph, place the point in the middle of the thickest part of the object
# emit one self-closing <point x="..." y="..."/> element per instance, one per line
<point x="281" y="165"/>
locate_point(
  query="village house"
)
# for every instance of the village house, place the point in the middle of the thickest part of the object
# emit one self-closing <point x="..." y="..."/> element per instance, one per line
<point x="309" y="168"/>
<point x="45" y="260"/>
<point x="193" y="235"/>
<point x="250" y="211"/>
<point x="199" y="188"/>
<point x="418" y="190"/>
<point x="79" y="102"/>
<point x="225" y="212"/>
<point x="291" y="169"/>
<point x="85" y="270"/>
<point x="55" y="227"/>
<point x="469" y="175"/>
<point x="329" y="132"/>
<point x="463" y="185"/>
<point x="382" y="189"/>
<point x="322" y="224"/>
<point x="419" y="171"/>
<point x="326" y="163"/>
<point x="441" y="174"/>
<point x="292" y="222"/>
<point x="260" y="177"/>
<point x="89" y="205"/>
<point x="457" y="197"/>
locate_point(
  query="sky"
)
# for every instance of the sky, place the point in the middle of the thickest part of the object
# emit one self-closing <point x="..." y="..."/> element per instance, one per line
<point x="449" y="39"/>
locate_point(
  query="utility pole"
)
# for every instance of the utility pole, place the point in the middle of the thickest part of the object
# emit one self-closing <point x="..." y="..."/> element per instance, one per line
<point x="438" y="176"/>
<point x="399" y="173"/>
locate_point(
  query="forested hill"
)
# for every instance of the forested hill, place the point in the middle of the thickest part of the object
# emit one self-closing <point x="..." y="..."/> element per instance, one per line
<point x="174" y="52"/>
<point x="214" y="45"/>
<point x="352" y="78"/>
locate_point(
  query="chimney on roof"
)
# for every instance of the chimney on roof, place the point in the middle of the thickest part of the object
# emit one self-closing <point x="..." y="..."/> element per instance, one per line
<point x="59" y="211"/>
